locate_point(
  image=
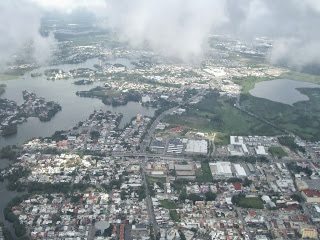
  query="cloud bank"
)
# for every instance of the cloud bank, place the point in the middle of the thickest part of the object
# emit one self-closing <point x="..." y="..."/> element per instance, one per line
<point x="180" y="27"/>
<point x="20" y="24"/>
<point x="177" y="28"/>
<point x="293" y="25"/>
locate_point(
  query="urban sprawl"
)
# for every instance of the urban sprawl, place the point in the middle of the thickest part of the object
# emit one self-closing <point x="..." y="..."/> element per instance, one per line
<point x="156" y="177"/>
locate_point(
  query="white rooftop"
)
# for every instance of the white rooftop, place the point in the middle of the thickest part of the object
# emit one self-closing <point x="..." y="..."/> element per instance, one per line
<point x="260" y="150"/>
<point x="197" y="146"/>
<point x="240" y="170"/>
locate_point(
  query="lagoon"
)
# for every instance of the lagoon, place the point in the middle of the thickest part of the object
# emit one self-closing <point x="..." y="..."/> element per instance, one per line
<point x="282" y="90"/>
<point x="74" y="108"/>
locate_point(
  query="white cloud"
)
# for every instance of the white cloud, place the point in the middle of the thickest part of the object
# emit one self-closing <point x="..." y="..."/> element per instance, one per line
<point x="20" y="26"/>
<point x="67" y="6"/>
<point x="176" y="28"/>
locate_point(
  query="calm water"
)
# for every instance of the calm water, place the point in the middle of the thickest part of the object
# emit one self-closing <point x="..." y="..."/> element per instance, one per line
<point x="282" y="90"/>
<point x="74" y="108"/>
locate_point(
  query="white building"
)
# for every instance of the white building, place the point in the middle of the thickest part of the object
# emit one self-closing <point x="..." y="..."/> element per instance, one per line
<point x="237" y="146"/>
<point x="197" y="146"/>
<point x="221" y="169"/>
<point x="240" y="172"/>
<point x="260" y="150"/>
<point x="236" y="140"/>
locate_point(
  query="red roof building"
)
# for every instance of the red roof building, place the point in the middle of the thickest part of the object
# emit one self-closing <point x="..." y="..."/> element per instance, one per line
<point x="237" y="186"/>
<point x="311" y="196"/>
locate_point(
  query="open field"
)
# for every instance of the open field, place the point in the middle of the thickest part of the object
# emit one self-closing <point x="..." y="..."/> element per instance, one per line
<point x="204" y="175"/>
<point x="174" y="216"/>
<point x="221" y="139"/>
<point x="252" y="202"/>
<point x="277" y="152"/>
<point x="297" y="76"/>
<point x="302" y="119"/>
<point x="248" y="202"/>
<point x="168" y="204"/>
<point x="217" y="114"/>
<point x="248" y="83"/>
<point x="153" y="180"/>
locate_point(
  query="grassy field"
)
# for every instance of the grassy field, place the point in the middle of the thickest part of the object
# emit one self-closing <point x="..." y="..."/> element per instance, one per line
<point x="217" y="114"/>
<point x="156" y="179"/>
<point x="248" y="83"/>
<point x="168" y="204"/>
<point x="302" y="119"/>
<point x="297" y="76"/>
<point x="278" y="152"/>
<point x="253" y="202"/>
<point x="204" y="175"/>
<point x="249" y="202"/>
<point x="221" y="139"/>
<point x="174" y="216"/>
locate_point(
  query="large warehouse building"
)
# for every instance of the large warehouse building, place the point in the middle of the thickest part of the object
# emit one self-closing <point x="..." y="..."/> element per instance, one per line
<point x="240" y="171"/>
<point x="197" y="147"/>
<point x="221" y="169"/>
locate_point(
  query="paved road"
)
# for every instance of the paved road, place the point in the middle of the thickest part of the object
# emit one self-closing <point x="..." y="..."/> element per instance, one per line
<point x="150" y="132"/>
<point x="145" y="143"/>
<point x="150" y="209"/>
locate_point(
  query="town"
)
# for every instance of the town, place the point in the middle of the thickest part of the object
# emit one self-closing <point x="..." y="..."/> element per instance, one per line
<point x="11" y="114"/>
<point x="96" y="183"/>
<point x="212" y="160"/>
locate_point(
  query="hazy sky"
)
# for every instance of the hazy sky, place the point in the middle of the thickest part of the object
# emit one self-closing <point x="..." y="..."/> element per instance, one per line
<point x="177" y="27"/>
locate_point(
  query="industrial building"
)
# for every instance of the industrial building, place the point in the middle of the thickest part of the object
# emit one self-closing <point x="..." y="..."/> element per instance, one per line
<point x="158" y="145"/>
<point x="237" y="146"/>
<point x="240" y="171"/>
<point x="197" y="147"/>
<point x="236" y="140"/>
<point x="260" y="150"/>
<point x="175" y="146"/>
<point x="185" y="171"/>
<point x="221" y="169"/>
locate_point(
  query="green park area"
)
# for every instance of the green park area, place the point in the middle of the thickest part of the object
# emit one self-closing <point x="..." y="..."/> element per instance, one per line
<point x="301" y="118"/>
<point x="168" y="204"/>
<point x="204" y="174"/>
<point x="277" y="152"/>
<point x="247" y="202"/>
<point x="174" y="215"/>
<point x="171" y="206"/>
<point x="217" y="113"/>
<point x="221" y="139"/>
<point x="248" y="83"/>
<point x="298" y="76"/>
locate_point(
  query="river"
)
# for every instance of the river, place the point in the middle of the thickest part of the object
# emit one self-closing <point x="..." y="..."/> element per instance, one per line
<point x="74" y="108"/>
